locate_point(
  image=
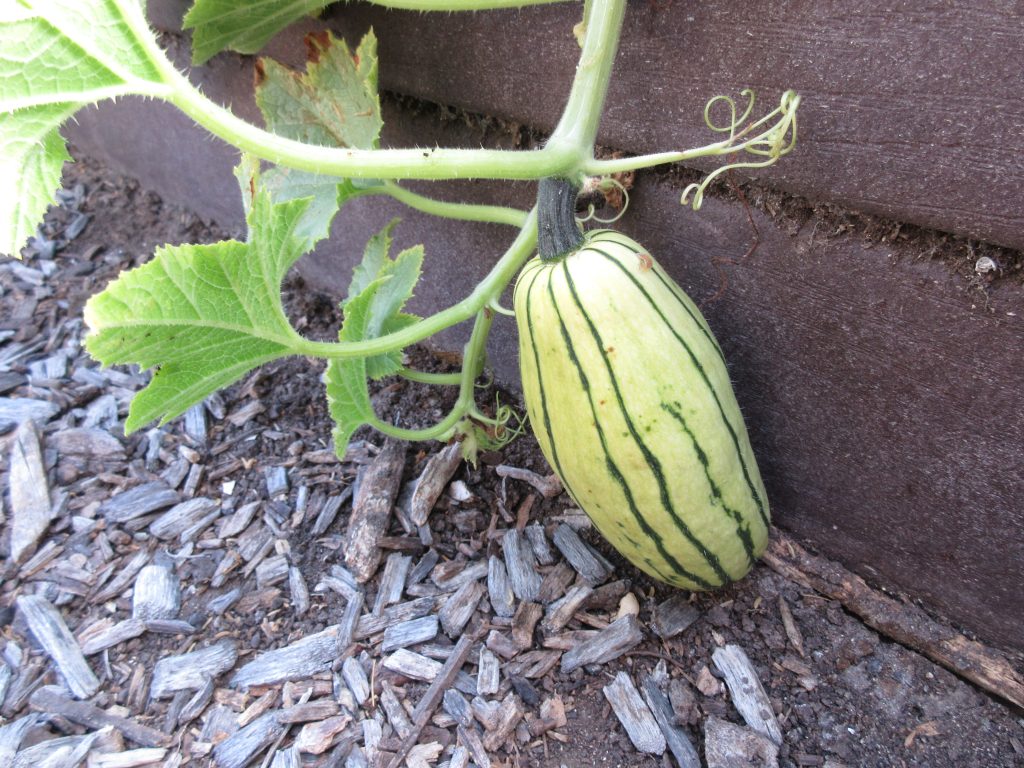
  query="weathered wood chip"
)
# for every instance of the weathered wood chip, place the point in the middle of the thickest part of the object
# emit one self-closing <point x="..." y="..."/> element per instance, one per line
<point x="488" y="676"/>
<point x="539" y="542"/>
<point x="452" y="575"/>
<point x="412" y="609"/>
<point x="92" y="443"/>
<point x="271" y="571"/>
<point x="130" y="758"/>
<point x="194" y="707"/>
<point x="298" y="590"/>
<point x="317" y="738"/>
<point x="459" y="608"/>
<point x="49" y="629"/>
<point x="157" y="593"/>
<point x="732" y="746"/>
<point x="303" y="658"/>
<point x="309" y="711"/>
<point x="556" y="581"/>
<point x="239" y="749"/>
<point x="287" y="758"/>
<point x="31" y="511"/>
<point x="562" y="610"/>
<point x="609" y="643"/>
<point x="499" y="588"/>
<point x="634" y="715"/>
<point x="392" y="581"/>
<point x="594" y="569"/>
<point x="423" y="567"/>
<point x="412" y="665"/>
<point x="524" y="623"/>
<point x="237" y="521"/>
<point x="12" y="734"/>
<point x="107" y="634"/>
<point x="455" y="704"/>
<point x="748" y="695"/>
<point x="138" y="501"/>
<point x="790" y="625"/>
<point x="394" y="710"/>
<point x="552" y="715"/>
<point x="675" y="737"/>
<point x="277" y="481"/>
<point x="221" y="603"/>
<point x="674" y="616"/>
<point x="356" y="680"/>
<point x="67" y="751"/>
<point x="20" y="410"/>
<point x="52" y="700"/>
<point x="185" y="516"/>
<point x="510" y="712"/>
<point x="471" y="739"/>
<point x="521" y="567"/>
<point x="408" y="633"/>
<point x="326" y="516"/>
<point x="126" y="575"/>
<point x="371" y="509"/>
<point x="190" y="671"/>
<point x="439" y="470"/>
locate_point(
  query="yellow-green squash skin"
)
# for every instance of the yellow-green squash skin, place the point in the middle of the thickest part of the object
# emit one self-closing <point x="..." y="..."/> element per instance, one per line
<point x="629" y="397"/>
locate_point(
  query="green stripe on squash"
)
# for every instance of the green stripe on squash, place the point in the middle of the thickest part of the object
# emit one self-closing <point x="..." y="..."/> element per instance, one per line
<point x="628" y="395"/>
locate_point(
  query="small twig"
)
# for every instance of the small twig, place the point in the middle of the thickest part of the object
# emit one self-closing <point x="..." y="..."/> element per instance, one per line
<point x="549" y="486"/>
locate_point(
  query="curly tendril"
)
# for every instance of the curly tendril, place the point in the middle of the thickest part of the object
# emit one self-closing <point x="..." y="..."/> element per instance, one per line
<point x="602" y="185"/>
<point x="770" y="137"/>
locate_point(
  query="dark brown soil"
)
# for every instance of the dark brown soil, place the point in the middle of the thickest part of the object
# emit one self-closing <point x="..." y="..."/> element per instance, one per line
<point x="850" y="698"/>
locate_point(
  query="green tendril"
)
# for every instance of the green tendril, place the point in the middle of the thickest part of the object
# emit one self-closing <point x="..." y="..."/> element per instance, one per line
<point x="601" y="185"/>
<point x="771" y="142"/>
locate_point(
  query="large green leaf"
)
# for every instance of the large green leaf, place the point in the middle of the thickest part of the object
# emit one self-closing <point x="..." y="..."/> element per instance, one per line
<point x="334" y="103"/>
<point x="242" y="26"/>
<point x="56" y="57"/>
<point x="380" y="288"/>
<point x="204" y="315"/>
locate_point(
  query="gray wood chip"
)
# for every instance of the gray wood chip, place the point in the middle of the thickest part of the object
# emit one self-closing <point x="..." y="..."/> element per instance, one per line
<point x="459" y="608"/>
<point x="510" y="712"/>
<point x="521" y="567"/>
<point x="157" y="594"/>
<point x="471" y="739"/>
<point x="12" y="734"/>
<point x="91" y="443"/>
<point x="23" y="409"/>
<point x="408" y="633"/>
<point x="356" y="680"/>
<point x="674" y="616"/>
<point x="190" y="671"/>
<point x="185" y="516"/>
<point x="107" y="636"/>
<point x="748" y="695"/>
<point x="587" y="563"/>
<point x="239" y="749"/>
<point x="303" y="658"/>
<point x="439" y="470"/>
<point x="277" y="481"/>
<point x="371" y="509"/>
<point x="394" y="710"/>
<point x="287" y="758"/>
<point x="412" y="665"/>
<point x="675" y="737"/>
<point x="326" y="516"/>
<point x="31" y="511"/>
<point x="488" y="676"/>
<point x="556" y="581"/>
<point x="52" y="700"/>
<point x="727" y="745"/>
<point x="298" y="590"/>
<point x="271" y="571"/>
<point x="455" y="704"/>
<point x="392" y="581"/>
<point x="317" y="738"/>
<point x="49" y="629"/>
<point x="423" y="567"/>
<point x="237" y="521"/>
<point x="468" y="573"/>
<point x="562" y="610"/>
<point x="350" y="620"/>
<point x="539" y="543"/>
<point x="138" y="502"/>
<point x="499" y="588"/>
<point x="125" y="575"/>
<point x="634" y="715"/>
<point x="221" y="603"/>
<point x="412" y="609"/>
<point x="609" y="643"/>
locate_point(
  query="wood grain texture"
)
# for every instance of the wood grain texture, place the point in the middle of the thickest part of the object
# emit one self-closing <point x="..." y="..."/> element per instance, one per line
<point x="910" y="110"/>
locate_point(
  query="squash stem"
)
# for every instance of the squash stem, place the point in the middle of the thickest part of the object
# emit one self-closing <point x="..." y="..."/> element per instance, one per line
<point x="558" y="233"/>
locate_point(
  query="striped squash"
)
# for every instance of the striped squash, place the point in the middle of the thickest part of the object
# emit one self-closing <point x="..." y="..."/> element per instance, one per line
<point x="628" y="395"/>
